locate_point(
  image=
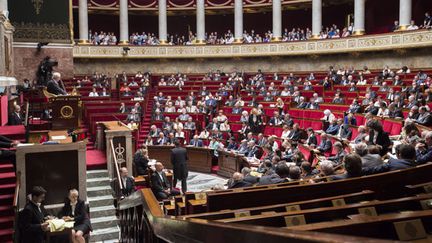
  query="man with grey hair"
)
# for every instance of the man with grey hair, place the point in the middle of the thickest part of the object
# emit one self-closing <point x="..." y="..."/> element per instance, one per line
<point x="326" y="168"/>
<point x="54" y="86"/>
<point x="424" y="150"/>
<point x="368" y="160"/>
<point x="247" y="176"/>
<point x="237" y="181"/>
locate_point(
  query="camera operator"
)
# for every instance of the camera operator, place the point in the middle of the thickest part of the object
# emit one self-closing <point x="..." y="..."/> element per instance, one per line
<point x="55" y="85"/>
<point x="45" y="70"/>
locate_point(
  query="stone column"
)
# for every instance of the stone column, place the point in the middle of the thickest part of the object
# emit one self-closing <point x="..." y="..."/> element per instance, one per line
<point x="277" y="20"/>
<point x="4" y="8"/>
<point x="238" y="21"/>
<point x="405" y="11"/>
<point x="200" y="22"/>
<point x="359" y="17"/>
<point x="163" y="22"/>
<point x="83" y="22"/>
<point x="316" y="18"/>
<point x="124" y="23"/>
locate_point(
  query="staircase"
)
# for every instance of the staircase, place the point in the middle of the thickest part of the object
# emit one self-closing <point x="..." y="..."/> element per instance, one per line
<point x="7" y="190"/>
<point x="146" y="119"/>
<point x="102" y="211"/>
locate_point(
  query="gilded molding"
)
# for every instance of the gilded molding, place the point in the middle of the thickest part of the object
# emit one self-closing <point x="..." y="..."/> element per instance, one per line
<point x="30" y="32"/>
<point x="381" y="42"/>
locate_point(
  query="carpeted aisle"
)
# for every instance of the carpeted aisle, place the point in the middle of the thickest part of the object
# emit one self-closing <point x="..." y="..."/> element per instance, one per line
<point x="95" y="159"/>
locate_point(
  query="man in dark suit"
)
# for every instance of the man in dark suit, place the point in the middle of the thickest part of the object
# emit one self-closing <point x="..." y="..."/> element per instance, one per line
<point x="425" y="118"/>
<point x="196" y="142"/>
<point x="340" y="154"/>
<point x="406" y="158"/>
<point x="54" y="86"/>
<point x="31" y="220"/>
<point x="237" y="181"/>
<point x="214" y="125"/>
<point x="247" y="177"/>
<point x="344" y="131"/>
<point x="276" y="119"/>
<point x="252" y="149"/>
<point x="160" y="184"/>
<point x="161" y="140"/>
<point x="295" y="133"/>
<point x="15" y="118"/>
<point x="179" y="160"/>
<point x="333" y="128"/>
<point x="325" y="145"/>
<point x="353" y="167"/>
<point x="128" y="183"/>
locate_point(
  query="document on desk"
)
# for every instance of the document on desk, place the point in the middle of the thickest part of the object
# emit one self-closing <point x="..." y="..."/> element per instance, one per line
<point x="61" y="137"/>
<point x="24" y="144"/>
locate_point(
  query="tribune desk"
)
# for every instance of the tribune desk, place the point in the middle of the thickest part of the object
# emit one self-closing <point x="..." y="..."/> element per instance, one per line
<point x="230" y="162"/>
<point x="200" y="159"/>
<point x="56" y="167"/>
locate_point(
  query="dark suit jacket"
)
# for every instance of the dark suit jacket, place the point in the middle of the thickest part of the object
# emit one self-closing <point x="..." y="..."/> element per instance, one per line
<point x="159" y="185"/>
<point x="312" y="140"/>
<point x="294" y="135"/>
<point x="251" y="179"/>
<point x="14" y="119"/>
<point x="198" y="143"/>
<point x="382" y="139"/>
<point x="29" y="221"/>
<point x="211" y="125"/>
<point x="141" y="163"/>
<point x="239" y="184"/>
<point x="393" y="164"/>
<point x="179" y="160"/>
<point x="346" y="132"/>
<point x="54" y="88"/>
<point x="325" y="146"/>
<point x="252" y="152"/>
<point x="80" y="214"/>
<point x="332" y="129"/>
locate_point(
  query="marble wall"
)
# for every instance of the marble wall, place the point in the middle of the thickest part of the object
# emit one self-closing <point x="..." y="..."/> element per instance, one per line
<point x="27" y="59"/>
<point x="418" y="58"/>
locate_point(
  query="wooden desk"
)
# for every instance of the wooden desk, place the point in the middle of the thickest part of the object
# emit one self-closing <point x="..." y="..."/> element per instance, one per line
<point x="229" y="163"/>
<point x="52" y="134"/>
<point x="200" y="159"/>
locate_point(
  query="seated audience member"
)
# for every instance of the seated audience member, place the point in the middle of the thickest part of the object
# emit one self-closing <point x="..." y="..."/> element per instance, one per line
<point x="337" y="99"/>
<point x="160" y="185"/>
<point x="353" y="167"/>
<point x="154" y="131"/>
<point x="368" y="159"/>
<point x="179" y="133"/>
<point x="424" y="149"/>
<point x="237" y="109"/>
<point x="350" y="119"/>
<point x="377" y="136"/>
<point x="141" y="160"/>
<point x="340" y="154"/>
<point x="247" y="177"/>
<point x="161" y="139"/>
<point x="104" y="92"/>
<point x="333" y="127"/>
<point x="295" y="133"/>
<point x="157" y="116"/>
<point x="406" y="158"/>
<point x="394" y="112"/>
<point x="204" y="134"/>
<point x="232" y="145"/>
<point x="128" y="183"/>
<point x="237" y="181"/>
<point x="122" y="108"/>
<point x="252" y="149"/>
<point x="307" y="170"/>
<point x="243" y="148"/>
<point x="275" y="120"/>
<point x="371" y="108"/>
<point x="190" y="125"/>
<point x="311" y="139"/>
<point x="325" y="146"/>
<point x="361" y="136"/>
<point x="76" y="210"/>
<point x="94" y="93"/>
<point x="261" y="140"/>
<point x="302" y="104"/>
<point x="196" y="142"/>
<point x="15" y="118"/>
<point x="328" y="116"/>
<point x="31" y="220"/>
<point x="327" y="168"/>
<point x="425" y="118"/>
<point x="281" y="174"/>
<point x="294" y="173"/>
<point x="344" y="131"/>
<point x="225" y="126"/>
<point x="133" y="117"/>
<point x="148" y="141"/>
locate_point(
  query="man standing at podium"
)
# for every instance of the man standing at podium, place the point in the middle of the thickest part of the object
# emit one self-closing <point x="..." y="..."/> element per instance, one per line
<point x="54" y="86"/>
<point x="179" y="160"/>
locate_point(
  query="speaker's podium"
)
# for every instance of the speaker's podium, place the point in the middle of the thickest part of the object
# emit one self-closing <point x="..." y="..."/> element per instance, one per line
<point x="66" y="111"/>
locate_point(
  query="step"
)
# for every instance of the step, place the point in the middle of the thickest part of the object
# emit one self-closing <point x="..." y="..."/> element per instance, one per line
<point x="6" y="235"/>
<point x="7" y="222"/>
<point x="7" y="188"/>
<point x="104" y="222"/>
<point x="7" y="177"/>
<point x="99" y="191"/>
<point x="8" y="167"/>
<point x="105" y="234"/>
<point x="100" y="181"/>
<point x="102" y="211"/>
<point x="6" y="211"/>
<point x="100" y="201"/>
<point x="96" y="173"/>
<point x="6" y="199"/>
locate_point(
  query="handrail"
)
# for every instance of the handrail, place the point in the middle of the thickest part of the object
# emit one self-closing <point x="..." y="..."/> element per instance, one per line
<point x="142" y="220"/>
<point x="117" y="170"/>
<point x="17" y="189"/>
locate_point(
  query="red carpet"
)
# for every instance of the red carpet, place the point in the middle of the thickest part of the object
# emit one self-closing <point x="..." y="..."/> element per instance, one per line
<point x="96" y="159"/>
<point x="13" y="132"/>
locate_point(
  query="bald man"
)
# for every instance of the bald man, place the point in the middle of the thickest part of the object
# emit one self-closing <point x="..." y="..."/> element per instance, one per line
<point x="237" y="181"/>
<point x="160" y="185"/>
